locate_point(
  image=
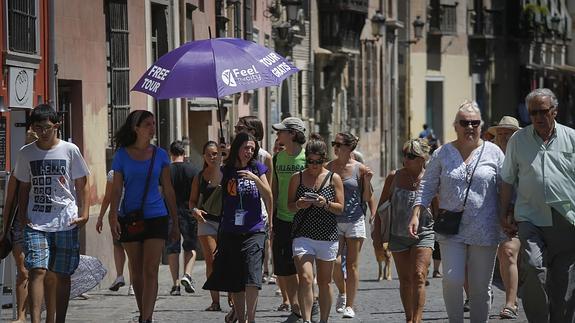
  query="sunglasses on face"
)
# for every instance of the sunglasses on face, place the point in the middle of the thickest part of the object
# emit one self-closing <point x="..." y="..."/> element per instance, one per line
<point x="43" y="129"/>
<point x="337" y="144"/>
<point x="410" y="156"/>
<point x="467" y="123"/>
<point x="540" y="112"/>
<point x="314" y="161"/>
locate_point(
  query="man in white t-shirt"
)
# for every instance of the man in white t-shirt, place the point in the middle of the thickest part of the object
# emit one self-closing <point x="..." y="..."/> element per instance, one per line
<point x="53" y="203"/>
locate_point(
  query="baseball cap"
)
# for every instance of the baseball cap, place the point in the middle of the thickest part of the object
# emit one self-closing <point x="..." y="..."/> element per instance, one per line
<point x="291" y="123"/>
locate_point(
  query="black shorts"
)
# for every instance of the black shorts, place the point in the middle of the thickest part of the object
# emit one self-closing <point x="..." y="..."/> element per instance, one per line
<point x="238" y="262"/>
<point x="154" y="228"/>
<point x="188" y="230"/>
<point x="282" y="248"/>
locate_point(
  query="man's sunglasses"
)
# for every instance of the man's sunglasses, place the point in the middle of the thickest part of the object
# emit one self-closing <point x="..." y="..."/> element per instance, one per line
<point x="315" y="161"/>
<point x="541" y="112"/>
<point x="467" y="123"/>
<point x="410" y="156"/>
<point x="337" y="144"/>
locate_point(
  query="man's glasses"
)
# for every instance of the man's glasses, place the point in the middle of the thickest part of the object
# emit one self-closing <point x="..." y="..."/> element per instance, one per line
<point x="337" y="144"/>
<point x="315" y="161"/>
<point x="410" y="156"/>
<point x="43" y="129"/>
<point x="467" y="123"/>
<point x="540" y="112"/>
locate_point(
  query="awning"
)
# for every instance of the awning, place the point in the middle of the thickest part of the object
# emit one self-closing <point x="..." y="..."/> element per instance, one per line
<point x="566" y="68"/>
<point x="202" y="104"/>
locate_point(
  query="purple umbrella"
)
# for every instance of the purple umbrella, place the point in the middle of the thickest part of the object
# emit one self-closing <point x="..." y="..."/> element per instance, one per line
<point x="214" y="68"/>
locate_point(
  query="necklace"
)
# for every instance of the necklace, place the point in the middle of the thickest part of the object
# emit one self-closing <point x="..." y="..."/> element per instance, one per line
<point x="414" y="181"/>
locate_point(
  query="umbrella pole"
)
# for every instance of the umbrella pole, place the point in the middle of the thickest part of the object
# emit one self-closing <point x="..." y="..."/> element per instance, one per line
<point x="222" y="138"/>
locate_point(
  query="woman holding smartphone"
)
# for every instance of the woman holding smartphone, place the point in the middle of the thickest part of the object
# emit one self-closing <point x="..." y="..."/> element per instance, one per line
<point x="316" y="195"/>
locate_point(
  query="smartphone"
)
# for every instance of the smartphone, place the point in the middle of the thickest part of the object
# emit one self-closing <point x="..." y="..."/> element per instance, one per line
<point x="310" y="196"/>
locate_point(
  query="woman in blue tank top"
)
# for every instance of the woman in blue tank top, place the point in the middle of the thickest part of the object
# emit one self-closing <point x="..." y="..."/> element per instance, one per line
<point x="356" y="179"/>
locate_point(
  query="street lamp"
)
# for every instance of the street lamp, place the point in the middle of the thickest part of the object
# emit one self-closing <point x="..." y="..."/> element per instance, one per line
<point x="418" y="25"/>
<point x="292" y="8"/>
<point x="555" y="20"/>
<point x="377" y="24"/>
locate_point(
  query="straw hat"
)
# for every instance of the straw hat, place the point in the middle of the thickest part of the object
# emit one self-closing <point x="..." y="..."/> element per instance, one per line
<point x="505" y="122"/>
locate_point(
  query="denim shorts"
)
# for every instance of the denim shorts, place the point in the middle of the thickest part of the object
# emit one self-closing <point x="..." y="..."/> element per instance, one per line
<point x="322" y="250"/>
<point x="188" y="231"/>
<point x="58" y="252"/>
<point x="352" y="229"/>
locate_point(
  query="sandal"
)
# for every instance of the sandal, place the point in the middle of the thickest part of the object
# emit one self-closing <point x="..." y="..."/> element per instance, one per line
<point x="508" y="313"/>
<point x="283" y="308"/>
<point x="437" y="274"/>
<point x="214" y="307"/>
<point x="230" y="301"/>
<point x="231" y="317"/>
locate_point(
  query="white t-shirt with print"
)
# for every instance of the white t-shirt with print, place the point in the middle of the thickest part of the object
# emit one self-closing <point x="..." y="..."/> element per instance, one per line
<point x="51" y="174"/>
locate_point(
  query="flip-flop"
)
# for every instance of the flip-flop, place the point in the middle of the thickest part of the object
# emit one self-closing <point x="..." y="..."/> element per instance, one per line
<point x="214" y="307"/>
<point x="508" y="313"/>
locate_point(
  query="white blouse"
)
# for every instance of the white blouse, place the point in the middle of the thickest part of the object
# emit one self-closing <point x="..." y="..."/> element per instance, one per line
<point x="448" y="176"/>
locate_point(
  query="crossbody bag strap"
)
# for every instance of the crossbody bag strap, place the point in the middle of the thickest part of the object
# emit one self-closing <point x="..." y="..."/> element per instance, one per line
<point x="473" y="172"/>
<point x="148" y="178"/>
<point x="325" y="179"/>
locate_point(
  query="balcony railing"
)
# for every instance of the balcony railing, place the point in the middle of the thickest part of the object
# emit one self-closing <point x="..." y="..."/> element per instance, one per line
<point x="360" y="6"/>
<point x="485" y="23"/>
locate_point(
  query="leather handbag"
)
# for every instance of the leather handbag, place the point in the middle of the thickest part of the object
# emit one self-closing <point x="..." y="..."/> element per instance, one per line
<point x="132" y="223"/>
<point x="447" y="222"/>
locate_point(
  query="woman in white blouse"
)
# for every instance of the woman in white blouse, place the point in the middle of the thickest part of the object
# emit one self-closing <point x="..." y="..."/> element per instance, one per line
<point x="473" y="248"/>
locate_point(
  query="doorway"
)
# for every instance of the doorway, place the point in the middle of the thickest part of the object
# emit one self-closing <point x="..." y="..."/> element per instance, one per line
<point x="434" y="107"/>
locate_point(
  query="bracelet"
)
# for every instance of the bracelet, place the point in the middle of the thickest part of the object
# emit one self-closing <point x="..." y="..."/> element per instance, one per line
<point x="296" y="206"/>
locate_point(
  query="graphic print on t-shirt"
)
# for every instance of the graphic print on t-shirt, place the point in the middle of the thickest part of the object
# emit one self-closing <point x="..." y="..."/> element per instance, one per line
<point x="46" y="175"/>
<point x="242" y="186"/>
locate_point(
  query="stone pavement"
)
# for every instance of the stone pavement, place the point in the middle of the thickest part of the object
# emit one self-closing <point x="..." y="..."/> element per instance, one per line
<point x="376" y="301"/>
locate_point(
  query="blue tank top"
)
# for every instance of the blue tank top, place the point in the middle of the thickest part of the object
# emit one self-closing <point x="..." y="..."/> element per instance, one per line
<point x="353" y="208"/>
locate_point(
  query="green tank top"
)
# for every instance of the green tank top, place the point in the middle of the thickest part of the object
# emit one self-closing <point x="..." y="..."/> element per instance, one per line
<point x="285" y="166"/>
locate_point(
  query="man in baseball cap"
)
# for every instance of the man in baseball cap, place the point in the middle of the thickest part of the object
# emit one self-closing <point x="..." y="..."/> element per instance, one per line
<point x="291" y="123"/>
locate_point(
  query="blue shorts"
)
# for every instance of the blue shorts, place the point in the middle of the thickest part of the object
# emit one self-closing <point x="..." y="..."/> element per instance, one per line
<point x="58" y="252"/>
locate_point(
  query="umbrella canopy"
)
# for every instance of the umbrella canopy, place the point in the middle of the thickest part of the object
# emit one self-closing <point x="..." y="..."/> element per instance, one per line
<point x="214" y="68"/>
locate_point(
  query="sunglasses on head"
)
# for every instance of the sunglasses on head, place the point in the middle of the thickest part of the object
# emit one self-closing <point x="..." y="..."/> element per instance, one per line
<point x="410" y="156"/>
<point x="540" y="112"/>
<point x="467" y="123"/>
<point x="315" y="161"/>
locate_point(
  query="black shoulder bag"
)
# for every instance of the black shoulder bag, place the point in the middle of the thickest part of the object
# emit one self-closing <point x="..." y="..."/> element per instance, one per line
<point x="447" y="222"/>
<point x="132" y="223"/>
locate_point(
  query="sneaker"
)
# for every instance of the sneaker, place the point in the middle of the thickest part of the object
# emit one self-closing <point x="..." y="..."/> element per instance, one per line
<point x="272" y="280"/>
<point x="119" y="282"/>
<point x="315" y="311"/>
<point x="466" y="306"/>
<point x="293" y="318"/>
<point x="348" y="313"/>
<point x="175" y="291"/>
<point x="188" y="283"/>
<point x="340" y="303"/>
<point x="131" y="291"/>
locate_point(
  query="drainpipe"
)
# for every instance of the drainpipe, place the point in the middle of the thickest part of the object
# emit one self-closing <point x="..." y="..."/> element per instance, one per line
<point x="51" y="57"/>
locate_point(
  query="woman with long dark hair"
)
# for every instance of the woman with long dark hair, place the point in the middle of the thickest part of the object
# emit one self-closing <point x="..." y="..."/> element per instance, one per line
<point x="136" y="162"/>
<point x="206" y="187"/>
<point x="239" y="257"/>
